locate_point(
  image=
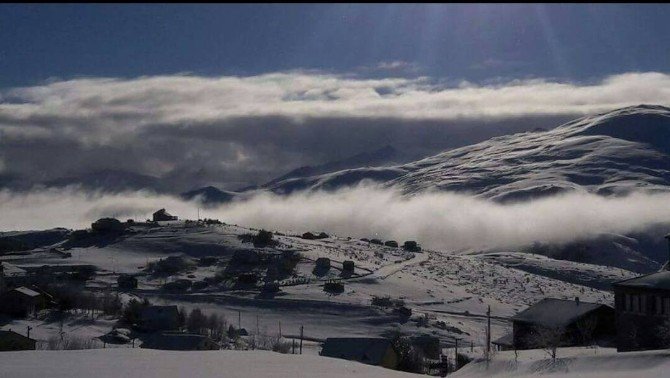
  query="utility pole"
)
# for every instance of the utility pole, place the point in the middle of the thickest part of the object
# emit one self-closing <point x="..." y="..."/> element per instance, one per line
<point x="488" y="331"/>
<point x="456" y="354"/>
<point x="239" y="320"/>
<point x="301" y="329"/>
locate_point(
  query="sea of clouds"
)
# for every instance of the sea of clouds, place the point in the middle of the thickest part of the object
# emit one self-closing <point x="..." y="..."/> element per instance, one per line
<point x="443" y="221"/>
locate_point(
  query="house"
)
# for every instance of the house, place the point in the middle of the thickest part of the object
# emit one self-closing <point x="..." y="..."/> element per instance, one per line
<point x="323" y="263"/>
<point x="180" y="341"/>
<point x="563" y="322"/>
<point x="21" y="302"/>
<point x="163" y="216"/>
<point x="504" y="343"/>
<point x="127" y="282"/>
<point x="371" y="351"/>
<point x="428" y="345"/>
<point x="411" y="246"/>
<point x="159" y="318"/>
<point x="348" y="267"/>
<point x="3" y="283"/>
<point x="10" y="341"/>
<point x="643" y="311"/>
<point x="11" y="276"/>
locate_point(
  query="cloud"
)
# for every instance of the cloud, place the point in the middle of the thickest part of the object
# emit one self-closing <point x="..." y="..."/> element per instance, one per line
<point x="180" y="99"/>
<point x="232" y="131"/>
<point x="442" y="221"/>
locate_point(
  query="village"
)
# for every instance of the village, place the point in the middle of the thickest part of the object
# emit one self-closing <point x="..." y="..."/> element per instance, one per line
<point x="156" y="305"/>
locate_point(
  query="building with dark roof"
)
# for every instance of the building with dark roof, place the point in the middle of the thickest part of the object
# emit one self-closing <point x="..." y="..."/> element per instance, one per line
<point x="573" y="322"/>
<point x="163" y="216"/>
<point x="10" y="340"/>
<point x="504" y="343"/>
<point x="643" y="311"/>
<point x="21" y="302"/>
<point x="371" y="351"/>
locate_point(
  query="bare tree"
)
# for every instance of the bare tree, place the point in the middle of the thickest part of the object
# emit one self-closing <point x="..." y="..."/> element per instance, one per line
<point x="547" y="338"/>
<point x="197" y="321"/>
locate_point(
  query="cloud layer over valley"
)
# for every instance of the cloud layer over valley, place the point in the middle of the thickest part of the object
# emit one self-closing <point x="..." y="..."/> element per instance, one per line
<point x="231" y="131"/>
<point x="443" y="221"/>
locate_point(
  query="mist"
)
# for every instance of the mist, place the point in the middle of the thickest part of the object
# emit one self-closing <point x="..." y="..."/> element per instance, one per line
<point x="442" y="221"/>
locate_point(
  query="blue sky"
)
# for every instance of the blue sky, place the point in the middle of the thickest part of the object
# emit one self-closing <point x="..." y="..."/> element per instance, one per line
<point x="474" y="42"/>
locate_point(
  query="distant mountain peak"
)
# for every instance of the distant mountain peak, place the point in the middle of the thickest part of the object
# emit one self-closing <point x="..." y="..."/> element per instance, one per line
<point x="209" y="195"/>
<point x="384" y="155"/>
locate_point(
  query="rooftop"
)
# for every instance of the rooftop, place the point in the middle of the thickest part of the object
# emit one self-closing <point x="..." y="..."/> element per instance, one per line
<point x="507" y="340"/>
<point x="25" y="291"/>
<point x="658" y="280"/>
<point x="4" y="333"/>
<point x="552" y="312"/>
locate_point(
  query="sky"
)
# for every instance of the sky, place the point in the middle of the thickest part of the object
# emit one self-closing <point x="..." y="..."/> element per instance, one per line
<point x="235" y="95"/>
<point x="473" y="42"/>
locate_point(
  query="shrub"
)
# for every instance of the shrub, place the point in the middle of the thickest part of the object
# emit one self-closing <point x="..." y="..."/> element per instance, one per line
<point x="263" y="238"/>
<point x="177" y="286"/>
<point x="170" y="265"/>
<point x="334" y="287"/>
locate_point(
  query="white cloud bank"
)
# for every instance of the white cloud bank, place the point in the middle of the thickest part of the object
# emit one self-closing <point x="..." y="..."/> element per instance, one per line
<point x="124" y="105"/>
<point x="443" y="221"/>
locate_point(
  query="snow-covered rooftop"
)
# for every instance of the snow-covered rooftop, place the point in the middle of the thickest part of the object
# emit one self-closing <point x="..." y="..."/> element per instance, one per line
<point x="25" y="291"/>
<point x="658" y="280"/>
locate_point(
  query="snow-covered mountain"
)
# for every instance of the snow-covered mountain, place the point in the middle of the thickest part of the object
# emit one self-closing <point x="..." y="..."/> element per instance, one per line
<point x="609" y="154"/>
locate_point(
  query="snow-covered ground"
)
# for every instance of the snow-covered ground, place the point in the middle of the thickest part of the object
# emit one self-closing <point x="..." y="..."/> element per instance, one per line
<point x="451" y="291"/>
<point x="572" y="362"/>
<point x="147" y="363"/>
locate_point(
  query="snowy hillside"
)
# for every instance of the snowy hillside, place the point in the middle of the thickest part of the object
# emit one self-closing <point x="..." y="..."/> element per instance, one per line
<point x="572" y="362"/>
<point x="614" y="153"/>
<point x="448" y="294"/>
